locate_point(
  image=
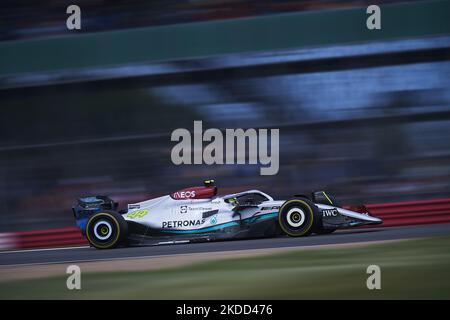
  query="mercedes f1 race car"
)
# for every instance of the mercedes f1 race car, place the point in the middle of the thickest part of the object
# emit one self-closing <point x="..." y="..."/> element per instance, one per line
<point x="198" y="214"/>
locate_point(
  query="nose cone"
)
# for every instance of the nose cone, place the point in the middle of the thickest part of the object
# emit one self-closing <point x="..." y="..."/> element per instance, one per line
<point x="371" y="220"/>
<point x="375" y="220"/>
<point x="363" y="218"/>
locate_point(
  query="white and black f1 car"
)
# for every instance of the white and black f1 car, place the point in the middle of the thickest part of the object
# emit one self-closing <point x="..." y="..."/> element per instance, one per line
<point x="198" y="214"/>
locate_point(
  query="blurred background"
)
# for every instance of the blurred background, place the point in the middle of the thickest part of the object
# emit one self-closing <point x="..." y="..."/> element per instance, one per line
<point x="26" y="19"/>
<point x="367" y="120"/>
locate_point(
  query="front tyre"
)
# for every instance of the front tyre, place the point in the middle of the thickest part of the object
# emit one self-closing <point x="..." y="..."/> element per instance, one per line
<point x="298" y="217"/>
<point x="106" y="230"/>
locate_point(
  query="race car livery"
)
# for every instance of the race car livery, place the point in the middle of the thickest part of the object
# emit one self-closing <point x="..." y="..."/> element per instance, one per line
<point x="198" y="214"/>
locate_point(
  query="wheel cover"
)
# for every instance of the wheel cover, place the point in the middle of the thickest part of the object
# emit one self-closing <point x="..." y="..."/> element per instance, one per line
<point x="103" y="230"/>
<point x="295" y="217"/>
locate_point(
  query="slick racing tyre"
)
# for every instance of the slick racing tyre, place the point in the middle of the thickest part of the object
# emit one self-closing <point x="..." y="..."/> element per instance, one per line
<point x="106" y="230"/>
<point x="298" y="217"/>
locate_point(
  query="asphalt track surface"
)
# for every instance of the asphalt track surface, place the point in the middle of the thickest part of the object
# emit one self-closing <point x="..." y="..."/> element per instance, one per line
<point x="85" y="254"/>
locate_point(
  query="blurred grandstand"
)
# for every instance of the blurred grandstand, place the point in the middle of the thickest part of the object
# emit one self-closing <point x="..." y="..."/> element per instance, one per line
<point x="31" y="19"/>
<point x="368" y="121"/>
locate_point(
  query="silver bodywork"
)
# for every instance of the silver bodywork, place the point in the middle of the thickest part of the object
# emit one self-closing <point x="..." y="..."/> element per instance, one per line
<point x="167" y="215"/>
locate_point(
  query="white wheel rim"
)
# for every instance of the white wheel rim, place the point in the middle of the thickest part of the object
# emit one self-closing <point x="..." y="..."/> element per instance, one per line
<point x="295" y="212"/>
<point x="98" y="226"/>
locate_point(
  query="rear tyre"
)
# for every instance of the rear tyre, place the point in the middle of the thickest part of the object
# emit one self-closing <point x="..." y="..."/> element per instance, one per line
<point x="298" y="217"/>
<point x="106" y="230"/>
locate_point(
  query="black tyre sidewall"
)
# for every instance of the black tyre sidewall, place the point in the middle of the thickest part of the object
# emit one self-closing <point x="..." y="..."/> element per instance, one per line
<point x="311" y="217"/>
<point x="118" y="233"/>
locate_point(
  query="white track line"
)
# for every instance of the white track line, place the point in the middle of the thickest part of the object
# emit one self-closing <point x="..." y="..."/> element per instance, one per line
<point x="128" y="258"/>
<point x="43" y="249"/>
<point x="320" y="246"/>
